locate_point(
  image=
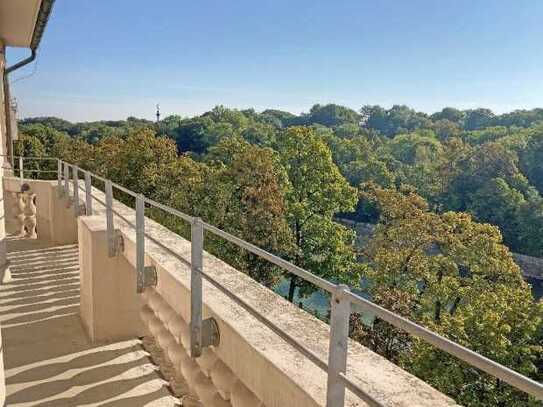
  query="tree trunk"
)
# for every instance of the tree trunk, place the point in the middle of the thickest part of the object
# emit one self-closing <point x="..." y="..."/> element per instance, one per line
<point x="292" y="289"/>
<point x="437" y="312"/>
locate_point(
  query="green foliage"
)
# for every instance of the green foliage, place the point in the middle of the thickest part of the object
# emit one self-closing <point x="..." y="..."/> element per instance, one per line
<point x="478" y="119"/>
<point x="438" y="186"/>
<point x="453" y="158"/>
<point x="451" y="114"/>
<point x="454" y="276"/>
<point x="398" y="119"/>
<point x="134" y="162"/>
<point x="317" y="192"/>
<point x="330" y="115"/>
<point x="531" y="157"/>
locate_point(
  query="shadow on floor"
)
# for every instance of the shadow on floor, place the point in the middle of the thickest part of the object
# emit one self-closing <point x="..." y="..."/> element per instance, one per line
<point x="48" y="358"/>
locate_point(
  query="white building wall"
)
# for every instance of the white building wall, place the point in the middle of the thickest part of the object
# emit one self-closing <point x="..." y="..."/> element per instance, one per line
<point x="4" y="270"/>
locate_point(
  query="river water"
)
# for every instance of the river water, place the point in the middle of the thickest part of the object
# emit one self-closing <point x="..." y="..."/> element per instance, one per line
<point x="318" y="302"/>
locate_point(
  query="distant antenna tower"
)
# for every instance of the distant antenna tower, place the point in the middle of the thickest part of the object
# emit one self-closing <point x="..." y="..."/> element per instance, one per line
<point x="157" y="113"/>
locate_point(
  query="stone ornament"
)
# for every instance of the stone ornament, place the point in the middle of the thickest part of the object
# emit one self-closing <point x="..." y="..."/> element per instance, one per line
<point x="207" y="376"/>
<point x="26" y="209"/>
<point x="20" y="205"/>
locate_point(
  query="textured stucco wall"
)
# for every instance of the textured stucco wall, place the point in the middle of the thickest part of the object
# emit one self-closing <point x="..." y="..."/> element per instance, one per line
<point x="256" y="358"/>
<point x="4" y="272"/>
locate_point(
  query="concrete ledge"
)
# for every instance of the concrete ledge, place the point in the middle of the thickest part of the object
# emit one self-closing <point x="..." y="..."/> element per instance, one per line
<point x="109" y="304"/>
<point x="272" y="370"/>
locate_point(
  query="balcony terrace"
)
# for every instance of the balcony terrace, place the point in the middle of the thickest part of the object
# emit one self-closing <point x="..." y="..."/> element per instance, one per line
<point x="49" y="360"/>
<point x="101" y="297"/>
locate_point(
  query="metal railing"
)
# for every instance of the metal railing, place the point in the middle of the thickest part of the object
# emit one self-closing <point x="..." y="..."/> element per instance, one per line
<point x="340" y="301"/>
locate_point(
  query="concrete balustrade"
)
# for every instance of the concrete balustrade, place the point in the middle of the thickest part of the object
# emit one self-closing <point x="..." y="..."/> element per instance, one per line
<point x="49" y="216"/>
<point x="172" y="334"/>
<point x="19" y="212"/>
<point x="24" y="210"/>
<point x="251" y="366"/>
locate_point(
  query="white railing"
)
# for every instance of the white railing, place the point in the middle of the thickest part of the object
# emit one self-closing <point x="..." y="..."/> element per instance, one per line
<point x="340" y="300"/>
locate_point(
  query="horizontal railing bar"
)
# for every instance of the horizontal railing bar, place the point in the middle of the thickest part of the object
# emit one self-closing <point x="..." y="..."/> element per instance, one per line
<point x="170" y="251"/>
<point x="359" y="392"/>
<point x="98" y="177"/>
<point x="130" y="223"/>
<point x="286" y="265"/>
<point x="31" y="158"/>
<point x="98" y="200"/>
<point x="173" y="211"/>
<point x="121" y="188"/>
<point x="27" y="170"/>
<point x="251" y="310"/>
<point x="113" y="184"/>
<point x="287" y="338"/>
<point x="306" y="352"/>
<point x="473" y="358"/>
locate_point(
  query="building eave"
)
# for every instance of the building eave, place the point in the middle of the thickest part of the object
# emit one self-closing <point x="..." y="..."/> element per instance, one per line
<point x="41" y="22"/>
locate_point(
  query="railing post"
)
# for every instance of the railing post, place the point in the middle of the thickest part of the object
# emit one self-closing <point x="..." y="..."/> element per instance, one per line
<point x="146" y="276"/>
<point x="75" y="174"/>
<point x="67" y="180"/>
<point x="59" y="178"/>
<point x="88" y="192"/>
<point x="21" y="173"/>
<point x="111" y="240"/>
<point x="339" y="338"/>
<point x="140" y="243"/>
<point x="13" y="156"/>
<point x="196" y="266"/>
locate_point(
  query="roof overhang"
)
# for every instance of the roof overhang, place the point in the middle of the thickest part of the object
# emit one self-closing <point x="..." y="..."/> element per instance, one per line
<point x="22" y="22"/>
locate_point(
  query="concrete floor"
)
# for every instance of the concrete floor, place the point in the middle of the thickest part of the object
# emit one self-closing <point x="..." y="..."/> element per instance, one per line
<point x="48" y="358"/>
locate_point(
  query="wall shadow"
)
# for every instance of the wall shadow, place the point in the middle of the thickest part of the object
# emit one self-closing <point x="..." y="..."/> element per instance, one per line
<point x="49" y="360"/>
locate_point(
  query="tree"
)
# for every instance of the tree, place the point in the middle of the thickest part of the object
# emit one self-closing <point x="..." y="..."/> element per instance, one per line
<point x="531" y="157"/>
<point x="372" y="170"/>
<point x="277" y="118"/>
<point x="491" y="160"/>
<point x="46" y="123"/>
<point x="446" y="129"/>
<point x="198" y="134"/>
<point x="136" y="161"/>
<point x="454" y="276"/>
<point x="30" y="146"/>
<point x="478" y="118"/>
<point x="398" y="119"/>
<point x="330" y="115"/>
<point x="246" y="194"/>
<point x="415" y="148"/>
<point x="240" y="189"/>
<point x="317" y="192"/>
<point x="450" y="114"/>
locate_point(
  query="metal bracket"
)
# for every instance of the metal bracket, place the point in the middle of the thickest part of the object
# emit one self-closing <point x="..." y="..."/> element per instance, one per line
<point x="149" y="278"/>
<point x="119" y="242"/>
<point x="210" y="333"/>
<point x="116" y="245"/>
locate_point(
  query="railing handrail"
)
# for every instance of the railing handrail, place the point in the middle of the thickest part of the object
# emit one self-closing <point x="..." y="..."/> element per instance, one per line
<point x="338" y="292"/>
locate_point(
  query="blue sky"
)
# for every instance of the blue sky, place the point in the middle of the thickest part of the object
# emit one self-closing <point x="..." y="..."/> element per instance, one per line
<point x="111" y="59"/>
